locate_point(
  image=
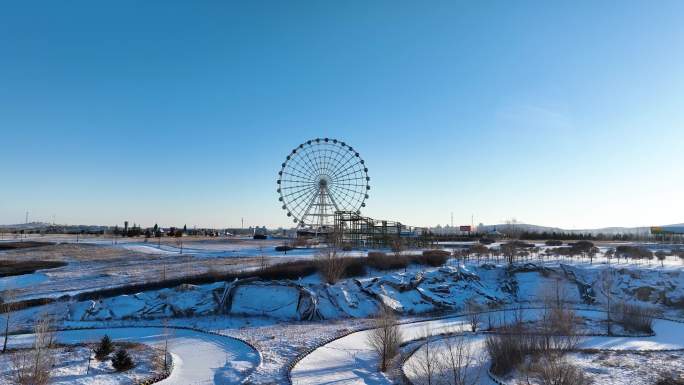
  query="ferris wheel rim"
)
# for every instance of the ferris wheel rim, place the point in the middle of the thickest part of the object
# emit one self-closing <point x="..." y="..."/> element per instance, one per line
<point x="333" y="173"/>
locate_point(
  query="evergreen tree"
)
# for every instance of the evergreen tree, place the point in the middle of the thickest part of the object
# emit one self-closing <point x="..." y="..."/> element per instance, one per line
<point x="104" y="348"/>
<point x="122" y="361"/>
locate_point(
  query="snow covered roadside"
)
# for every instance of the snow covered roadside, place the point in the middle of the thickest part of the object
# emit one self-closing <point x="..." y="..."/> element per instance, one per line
<point x="349" y="360"/>
<point x="198" y="358"/>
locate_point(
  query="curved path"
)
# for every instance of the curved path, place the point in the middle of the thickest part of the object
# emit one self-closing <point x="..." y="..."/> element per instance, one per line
<point x="349" y="360"/>
<point x="198" y="358"/>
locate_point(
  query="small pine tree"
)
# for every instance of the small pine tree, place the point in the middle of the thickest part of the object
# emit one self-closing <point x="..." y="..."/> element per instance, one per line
<point x="104" y="348"/>
<point x="122" y="361"/>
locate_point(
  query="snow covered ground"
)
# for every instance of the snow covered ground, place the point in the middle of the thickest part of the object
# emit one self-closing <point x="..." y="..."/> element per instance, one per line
<point x="629" y="368"/>
<point x="349" y="360"/>
<point x="198" y="358"/>
<point x="21" y="281"/>
<point x="269" y="314"/>
<point x="73" y="365"/>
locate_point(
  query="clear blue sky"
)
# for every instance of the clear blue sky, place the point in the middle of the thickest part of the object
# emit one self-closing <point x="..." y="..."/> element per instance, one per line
<point x="565" y="114"/>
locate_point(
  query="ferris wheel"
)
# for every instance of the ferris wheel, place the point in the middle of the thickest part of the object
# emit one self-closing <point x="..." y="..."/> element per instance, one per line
<point x="318" y="178"/>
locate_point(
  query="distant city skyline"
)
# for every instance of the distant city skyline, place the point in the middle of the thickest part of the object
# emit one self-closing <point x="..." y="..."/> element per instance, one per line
<point x="561" y="115"/>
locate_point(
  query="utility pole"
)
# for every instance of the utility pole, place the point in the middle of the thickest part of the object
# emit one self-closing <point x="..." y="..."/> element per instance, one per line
<point x="27" y="217"/>
<point x="452" y="219"/>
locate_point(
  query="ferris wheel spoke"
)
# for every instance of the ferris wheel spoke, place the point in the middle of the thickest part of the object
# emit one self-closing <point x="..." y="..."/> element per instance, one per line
<point x="338" y="159"/>
<point x="348" y="200"/>
<point x="320" y="154"/>
<point x="330" y="156"/>
<point x="303" y="177"/>
<point x="294" y="182"/>
<point x="316" y="153"/>
<point x="350" y="174"/>
<point x="304" y="167"/>
<point x="301" y="171"/>
<point x="300" y="188"/>
<point x="297" y="207"/>
<point x="314" y="162"/>
<point x="301" y="201"/>
<point x="351" y="163"/>
<point x="348" y="189"/>
<point x="297" y="187"/>
<point x="360" y="178"/>
<point x="298" y="178"/>
<point x="346" y="159"/>
<point x="301" y="166"/>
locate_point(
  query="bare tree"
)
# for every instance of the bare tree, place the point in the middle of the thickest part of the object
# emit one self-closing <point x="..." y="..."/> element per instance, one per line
<point x="610" y="253"/>
<point x="474" y="313"/>
<point x="510" y="251"/>
<point x="7" y="307"/>
<point x="386" y="337"/>
<point x="262" y="259"/>
<point x="606" y="286"/>
<point x="460" y="364"/>
<point x="165" y="353"/>
<point x="397" y="245"/>
<point x="592" y="253"/>
<point x="661" y="255"/>
<point x="425" y="363"/>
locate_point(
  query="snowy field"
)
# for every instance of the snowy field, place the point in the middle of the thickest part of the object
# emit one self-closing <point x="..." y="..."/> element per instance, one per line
<point x="75" y="364"/>
<point x="198" y="358"/>
<point x="350" y="360"/>
<point x="285" y="318"/>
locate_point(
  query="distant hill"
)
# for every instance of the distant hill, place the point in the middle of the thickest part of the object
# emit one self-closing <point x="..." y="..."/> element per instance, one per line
<point x="26" y="226"/>
<point x="525" y="227"/>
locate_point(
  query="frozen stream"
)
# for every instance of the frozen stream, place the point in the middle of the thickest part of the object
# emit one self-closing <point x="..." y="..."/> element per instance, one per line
<point x="349" y="360"/>
<point x="198" y="358"/>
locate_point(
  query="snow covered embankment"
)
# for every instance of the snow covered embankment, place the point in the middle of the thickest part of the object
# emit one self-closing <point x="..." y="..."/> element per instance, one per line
<point x="445" y="288"/>
<point x="407" y="293"/>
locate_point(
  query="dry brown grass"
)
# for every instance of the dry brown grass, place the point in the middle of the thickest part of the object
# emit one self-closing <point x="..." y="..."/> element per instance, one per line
<point x="8" y="267"/>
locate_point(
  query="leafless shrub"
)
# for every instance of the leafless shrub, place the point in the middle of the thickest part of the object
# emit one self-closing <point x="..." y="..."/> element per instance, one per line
<point x="669" y="379"/>
<point x="558" y="331"/>
<point x="386" y="337"/>
<point x="506" y="351"/>
<point x="634" y="317"/>
<point x="434" y="257"/>
<point x="331" y="263"/>
<point x="508" y="348"/>
<point x="555" y="335"/>
<point x="555" y="370"/>
<point x="382" y="261"/>
<point x="32" y="366"/>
